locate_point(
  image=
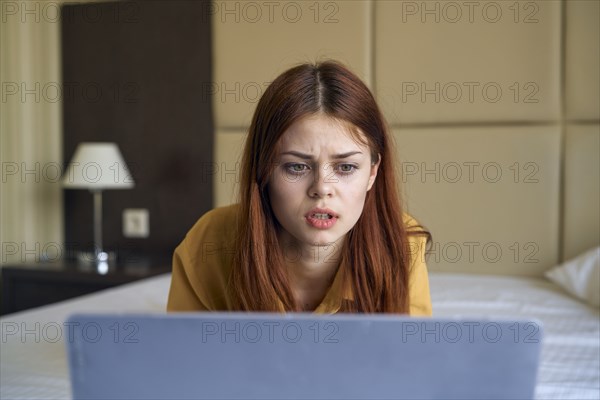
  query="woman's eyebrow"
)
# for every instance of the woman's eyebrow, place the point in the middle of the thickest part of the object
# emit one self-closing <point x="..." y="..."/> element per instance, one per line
<point x="308" y="156"/>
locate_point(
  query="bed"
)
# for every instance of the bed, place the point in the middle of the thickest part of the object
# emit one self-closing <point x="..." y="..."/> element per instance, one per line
<point x="33" y="363"/>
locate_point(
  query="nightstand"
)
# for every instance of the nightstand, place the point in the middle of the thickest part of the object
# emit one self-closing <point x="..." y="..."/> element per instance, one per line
<point x="32" y="285"/>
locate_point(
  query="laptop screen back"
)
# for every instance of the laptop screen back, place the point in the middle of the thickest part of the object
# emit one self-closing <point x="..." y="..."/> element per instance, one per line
<point x="300" y="356"/>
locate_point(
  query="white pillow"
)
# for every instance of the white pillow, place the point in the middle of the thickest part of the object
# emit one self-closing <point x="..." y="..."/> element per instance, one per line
<point x="580" y="276"/>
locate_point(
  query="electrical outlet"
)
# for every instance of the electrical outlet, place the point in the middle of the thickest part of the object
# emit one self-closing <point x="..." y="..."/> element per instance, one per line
<point x="136" y="223"/>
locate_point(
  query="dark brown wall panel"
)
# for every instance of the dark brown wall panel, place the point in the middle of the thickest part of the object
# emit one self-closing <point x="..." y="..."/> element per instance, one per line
<point x="133" y="74"/>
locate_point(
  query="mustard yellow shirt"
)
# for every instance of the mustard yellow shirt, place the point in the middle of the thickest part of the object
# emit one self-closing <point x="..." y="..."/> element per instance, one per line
<point x="203" y="261"/>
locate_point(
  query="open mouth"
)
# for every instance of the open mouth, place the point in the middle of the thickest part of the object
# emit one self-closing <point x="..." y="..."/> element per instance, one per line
<point x="321" y="216"/>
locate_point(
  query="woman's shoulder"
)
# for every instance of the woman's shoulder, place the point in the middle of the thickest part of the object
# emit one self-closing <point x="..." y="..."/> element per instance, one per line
<point x="410" y="222"/>
<point x="205" y="257"/>
<point x="217" y="216"/>
<point x="216" y="221"/>
<point x="417" y="233"/>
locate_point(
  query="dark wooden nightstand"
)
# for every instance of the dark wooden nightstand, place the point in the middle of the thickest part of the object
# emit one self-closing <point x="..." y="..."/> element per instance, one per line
<point x="32" y="285"/>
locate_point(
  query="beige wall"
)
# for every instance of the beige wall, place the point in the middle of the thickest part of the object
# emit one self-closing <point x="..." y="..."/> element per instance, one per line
<point x="31" y="207"/>
<point x="491" y="105"/>
<point x="469" y="91"/>
<point x="30" y="130"/>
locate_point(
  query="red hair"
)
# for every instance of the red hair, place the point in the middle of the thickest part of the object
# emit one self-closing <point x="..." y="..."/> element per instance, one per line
<point x="376" y="252"/>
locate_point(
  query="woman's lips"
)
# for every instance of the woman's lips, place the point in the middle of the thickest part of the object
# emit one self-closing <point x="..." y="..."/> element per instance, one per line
<point x="319" y="210"/>
<point x="321" y="223"/>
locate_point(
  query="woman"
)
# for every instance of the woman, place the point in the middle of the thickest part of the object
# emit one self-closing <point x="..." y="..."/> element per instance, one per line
<point x="319" y="225"/>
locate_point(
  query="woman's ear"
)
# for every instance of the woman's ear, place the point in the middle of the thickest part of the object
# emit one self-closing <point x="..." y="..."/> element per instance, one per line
<point x="374" y="169"/>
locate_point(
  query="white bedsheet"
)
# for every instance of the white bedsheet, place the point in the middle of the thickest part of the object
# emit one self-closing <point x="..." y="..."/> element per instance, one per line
<point x="570" y="359"/>
<point x="34" y="368"/>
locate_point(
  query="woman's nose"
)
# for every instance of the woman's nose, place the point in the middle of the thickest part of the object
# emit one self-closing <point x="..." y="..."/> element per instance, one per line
<point x="322" y="183"/>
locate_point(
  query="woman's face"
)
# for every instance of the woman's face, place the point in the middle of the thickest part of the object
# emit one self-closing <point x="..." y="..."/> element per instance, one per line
<point x="319" y="165"/>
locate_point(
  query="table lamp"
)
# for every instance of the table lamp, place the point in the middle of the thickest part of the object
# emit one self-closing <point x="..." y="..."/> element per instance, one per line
<point x="97" y="167"/>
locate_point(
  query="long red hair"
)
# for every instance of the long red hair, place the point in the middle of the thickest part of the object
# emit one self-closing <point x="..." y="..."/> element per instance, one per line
<point x="376" y="252"/>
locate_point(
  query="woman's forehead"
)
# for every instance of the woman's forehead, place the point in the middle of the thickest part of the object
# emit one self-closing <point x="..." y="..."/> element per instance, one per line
<point x="318" y="131"/>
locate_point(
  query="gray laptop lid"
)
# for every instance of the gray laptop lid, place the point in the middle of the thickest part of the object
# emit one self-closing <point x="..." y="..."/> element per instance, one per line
<point x="300" y="356"/>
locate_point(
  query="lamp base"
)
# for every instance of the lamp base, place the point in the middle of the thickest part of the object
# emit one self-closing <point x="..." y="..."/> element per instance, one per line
<point x="93" y="257"/>
<point x="101" y="261"/>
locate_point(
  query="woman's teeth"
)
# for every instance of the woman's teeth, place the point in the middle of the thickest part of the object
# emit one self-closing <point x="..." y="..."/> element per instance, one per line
<point x="322" y="216"/>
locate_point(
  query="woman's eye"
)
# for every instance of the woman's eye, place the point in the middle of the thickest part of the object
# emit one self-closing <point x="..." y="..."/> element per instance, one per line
<point x="295" y="168"/>
<point x="299" y="169"/>
<point x="347" y="169"/>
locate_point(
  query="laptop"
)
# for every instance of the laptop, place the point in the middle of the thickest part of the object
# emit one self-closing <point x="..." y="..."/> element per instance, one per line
<point x="300" y="356"/>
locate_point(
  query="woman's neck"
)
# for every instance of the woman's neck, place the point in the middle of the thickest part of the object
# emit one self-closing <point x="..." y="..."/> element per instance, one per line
<point x="312" y="270"/>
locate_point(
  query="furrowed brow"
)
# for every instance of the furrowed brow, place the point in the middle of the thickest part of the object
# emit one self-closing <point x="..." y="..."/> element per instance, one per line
<point x="309" y="157"/>
<point x="346" y="155"/>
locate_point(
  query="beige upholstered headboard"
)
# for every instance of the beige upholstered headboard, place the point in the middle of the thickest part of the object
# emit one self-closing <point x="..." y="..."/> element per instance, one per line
<point x="494" y="108"/>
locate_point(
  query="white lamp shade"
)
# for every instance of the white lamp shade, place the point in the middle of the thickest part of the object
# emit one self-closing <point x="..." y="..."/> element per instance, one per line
<point x="97" y="166"/>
